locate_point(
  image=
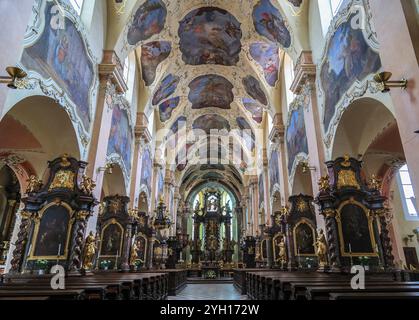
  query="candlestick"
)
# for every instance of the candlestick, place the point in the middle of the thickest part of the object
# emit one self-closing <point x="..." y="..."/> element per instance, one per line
<point x="116" y="260"/>
<point x="350" y="252"/>
<point x="58" y="253"/>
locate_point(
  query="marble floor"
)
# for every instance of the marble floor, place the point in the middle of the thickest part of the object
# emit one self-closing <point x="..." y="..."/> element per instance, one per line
<point x="209" y="291"/>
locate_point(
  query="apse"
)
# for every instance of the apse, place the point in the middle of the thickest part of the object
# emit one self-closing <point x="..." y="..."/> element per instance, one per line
<point x="211" y="91"/>
<point x="210" y="35"/>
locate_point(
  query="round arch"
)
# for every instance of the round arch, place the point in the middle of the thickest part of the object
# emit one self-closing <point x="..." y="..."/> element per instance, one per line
<point x="114" y="183"/>
<point x="28" y="132"/>
<point x="361" y="122"/>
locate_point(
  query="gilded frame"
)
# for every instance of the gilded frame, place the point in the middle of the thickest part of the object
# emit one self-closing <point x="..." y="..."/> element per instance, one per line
<point x="370" y="218"/>
<point x="38" y="219"/>
<point x="307" y="222"/>
<point x="112" y="222"/>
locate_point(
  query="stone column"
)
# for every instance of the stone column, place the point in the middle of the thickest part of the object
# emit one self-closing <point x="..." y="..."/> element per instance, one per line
<point x="277" y="137"/>
<point x="111" y="89"/>
<point x="169" y="185"/>
<point x="142" y="137"/>
<point x="266" y="193"/>
<point x="397" y="32"/>
<point x="154" y="185"/>
<point x="254" y="204"/>
<point x="305" y="89"/>
<point x="176" y="201"/>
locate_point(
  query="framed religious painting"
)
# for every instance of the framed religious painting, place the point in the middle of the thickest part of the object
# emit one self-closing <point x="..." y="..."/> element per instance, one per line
<point x="355" y="225"/>
<point x="304" y="239"/>
<point x="111" y="240"/>
<point x="52" y="230"/>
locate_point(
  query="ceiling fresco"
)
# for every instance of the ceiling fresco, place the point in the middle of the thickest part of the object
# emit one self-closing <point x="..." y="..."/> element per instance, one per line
<point x="255" y="108"/>
<point x="211" y="91"/>
<point x="166" y="108"/>
<point x="166" y="88"/>
<point x="253" y="89"/>
<point x="210" y="35"/>
<point x="216" y="63"/>
<point x="269" y="23"/>
<point x="152" y="54"/>
<point x="211" y="121"/>
<point x="148" y="21"/>
<point x="267" y="56"/>
<point x="296" y="3"/>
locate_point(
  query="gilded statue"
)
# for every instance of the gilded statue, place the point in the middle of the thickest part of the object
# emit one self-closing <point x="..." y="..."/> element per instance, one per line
<point x="134" y="254"/>
<point x="285" y="211"/>
<point x="87" y="185"/>
<point x="282" y="252"/>
<point x="324" y="183"/>
<point x="34" y="184"/>
<point x="321" y="251"/>
<point x="374" y="182"/>
<point x="212" y="243"/>
<point x="90" y="250"/>
<point x="102" y="207"/>
<point x="63" y="179"/>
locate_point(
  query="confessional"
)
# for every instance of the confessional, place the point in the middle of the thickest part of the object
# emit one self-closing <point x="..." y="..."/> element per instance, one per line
<point x="54" y="218"/>
<point x="355" y="217"/>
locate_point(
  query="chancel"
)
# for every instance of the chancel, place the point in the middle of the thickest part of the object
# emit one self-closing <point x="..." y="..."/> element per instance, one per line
<point x="208" y="150"/>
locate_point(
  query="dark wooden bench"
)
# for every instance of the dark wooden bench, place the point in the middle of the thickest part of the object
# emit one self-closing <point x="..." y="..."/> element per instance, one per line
<point x="323" y="293"/>
<point x="375" y="296"/>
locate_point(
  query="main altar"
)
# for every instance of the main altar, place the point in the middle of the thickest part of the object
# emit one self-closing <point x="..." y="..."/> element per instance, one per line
<point x="213" y="250"/>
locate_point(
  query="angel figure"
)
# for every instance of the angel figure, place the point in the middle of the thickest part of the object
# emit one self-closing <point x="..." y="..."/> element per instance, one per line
<point x="34" y="184"/>
<point x="87" y="185"/>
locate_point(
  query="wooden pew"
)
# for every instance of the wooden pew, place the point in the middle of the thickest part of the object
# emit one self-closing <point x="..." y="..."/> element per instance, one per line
<point x="323" y="293"/>
<point x="375" y="296"/>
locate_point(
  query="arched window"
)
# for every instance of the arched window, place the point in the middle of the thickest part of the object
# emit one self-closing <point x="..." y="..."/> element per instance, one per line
<point x="289" y="78"/>
<point x="77" y="5"/>
<point x="328" y="9"/>
<point x="407" y="194"/>
<point x="129" y="75"/>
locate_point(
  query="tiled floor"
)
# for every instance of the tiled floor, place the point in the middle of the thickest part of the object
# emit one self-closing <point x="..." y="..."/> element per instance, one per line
<point x="209" y="291"/>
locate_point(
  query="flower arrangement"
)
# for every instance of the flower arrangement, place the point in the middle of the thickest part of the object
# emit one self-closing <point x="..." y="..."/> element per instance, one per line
<point x="211" y="274"/>
<point x="105" y="264"/>
<point x="41" y="264"/>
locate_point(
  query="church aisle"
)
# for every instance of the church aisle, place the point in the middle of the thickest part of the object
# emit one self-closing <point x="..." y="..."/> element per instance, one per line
<point x="209" y="291"/>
